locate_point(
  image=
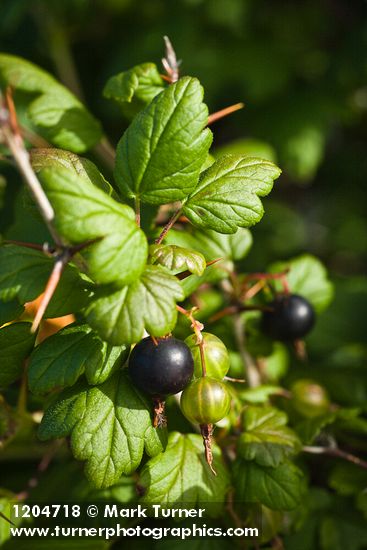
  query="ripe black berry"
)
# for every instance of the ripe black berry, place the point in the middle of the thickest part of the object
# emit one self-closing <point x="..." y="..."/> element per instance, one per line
<point x="162" y="369"/>
<point x="292" y="317"/>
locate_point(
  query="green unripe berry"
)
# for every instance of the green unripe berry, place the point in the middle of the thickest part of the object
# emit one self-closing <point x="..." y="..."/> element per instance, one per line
<point x="205" y="401"/>
<point x="309" y="398"/>
<point x="215" y="354"/>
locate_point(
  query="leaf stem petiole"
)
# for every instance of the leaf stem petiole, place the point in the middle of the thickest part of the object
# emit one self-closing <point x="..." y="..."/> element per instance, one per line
<point x="169" y="225"/>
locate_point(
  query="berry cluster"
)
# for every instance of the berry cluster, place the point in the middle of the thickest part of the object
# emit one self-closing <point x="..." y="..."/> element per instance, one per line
<point x="196" y="366"/>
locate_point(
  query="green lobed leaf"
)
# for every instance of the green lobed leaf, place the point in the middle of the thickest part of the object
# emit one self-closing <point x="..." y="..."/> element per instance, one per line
<point x="149" y="303"/>
<point x="177" y="259"/>
<point x="266" y="438"/>
<point x="57" y="113"/>
<point x="10" y="311"/>
<point x="63" y="357"/>
<point x="160" y="156"/>
<point x="24" y="273"/>
<point x="180" y="474"/>
<point x="83" y="213"/>
<point x="347" y="479"/>
<point x="259" y="394"/>
<point x="6" y="511"/>
<point x="16" y="343"/>
<point x="135" y="88"/>
<point x="110" y="426"/>
<point x="84" y="168"/>
<point x="208" y="162"/>
<point x="308" y="277"/>
<point x="279" y="488"/>
<point x="214" y="245"/>
<point x="227" y="196"/>
<point x="309" y="428"/>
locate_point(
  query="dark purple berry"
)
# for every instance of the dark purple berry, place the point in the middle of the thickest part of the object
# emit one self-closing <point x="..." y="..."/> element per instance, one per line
<point x="291" y="317"/>
<point x="162" y="369"/>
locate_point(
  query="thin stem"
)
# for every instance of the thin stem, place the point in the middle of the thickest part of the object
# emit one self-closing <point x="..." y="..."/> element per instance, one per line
<point x="52" y="283"/>
<point x="236" y="308"/>
<point x="255" y="289"/>
<point x="155" y="341"/>
<point x="266" y="276"/>
<point x="252" y="373"/>
<point x="22" y="159"/>
<point x="202" y="355"/>
<point x="33" y="246"/>
<point x="224" y="112"/>
<point x="338" y="453"/>
<point x="237" y="380"/>
<point x="34" y="139"/>
<point x="137" y="211"/>
<point x="60" y="51"/>
<point x="230" y="507"/>
<point x="197" y="327"/>
<point x="105" y="151"/>
<point x="6" y="518"/>
<point x="14" y="140"/>
<point x="262" y="279"/>
<point x="56" y="36"/>
<point x="169" y="225"/>
<point x="41" y="468"/>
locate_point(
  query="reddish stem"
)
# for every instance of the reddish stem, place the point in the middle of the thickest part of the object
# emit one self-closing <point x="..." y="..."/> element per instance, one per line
<point x="137" y="211"/>
<point x="237" y="308"/>
<point x="155" y="341"/>
<point x="339" y="453"/>
<point x="224" y="112"/>
<point x="168" y="226"/>
<point x="52" y="283"/>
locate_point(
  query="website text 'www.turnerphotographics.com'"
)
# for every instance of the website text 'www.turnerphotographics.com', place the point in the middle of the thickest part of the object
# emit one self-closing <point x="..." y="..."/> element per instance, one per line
<point x="113" y="521"/>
